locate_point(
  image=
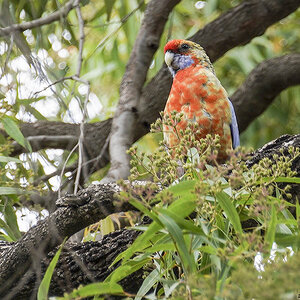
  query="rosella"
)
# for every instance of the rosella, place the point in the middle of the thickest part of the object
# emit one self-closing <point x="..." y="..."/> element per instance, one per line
<point x="198" y="94"/>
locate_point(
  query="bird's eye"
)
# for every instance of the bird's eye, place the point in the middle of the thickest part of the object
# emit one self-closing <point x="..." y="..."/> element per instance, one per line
<point x="185" y="46"/>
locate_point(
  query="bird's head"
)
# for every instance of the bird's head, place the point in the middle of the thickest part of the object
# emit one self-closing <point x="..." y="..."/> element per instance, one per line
<point x="180" y="54"/>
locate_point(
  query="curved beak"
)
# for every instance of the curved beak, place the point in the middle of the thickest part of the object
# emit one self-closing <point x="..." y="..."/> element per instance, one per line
<point x="169" y="56"/>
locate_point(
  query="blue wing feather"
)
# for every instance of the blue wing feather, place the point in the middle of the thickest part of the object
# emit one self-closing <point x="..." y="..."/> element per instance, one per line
<point x="234" y="128"/>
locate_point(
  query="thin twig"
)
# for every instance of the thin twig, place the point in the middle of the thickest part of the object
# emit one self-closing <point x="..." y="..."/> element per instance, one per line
<point x="81" y="38"/>
<point x="55" y="16"/>
<point x="80" y="141"/>
<point x="45" y="178"/>
<point x="97" y="159"/>
<point x="63" y="169"/>
<point x="53" y="83"/>
<point x="74" y="167"/>
<point x="81" y="136"/>
<point x="7" y="55"/>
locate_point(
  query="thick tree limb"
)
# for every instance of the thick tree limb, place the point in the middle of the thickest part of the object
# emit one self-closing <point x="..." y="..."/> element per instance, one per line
<point x="84" y="263"/>
<point x="241" y="24"/>
<point x="55" y="16"/>
<point x="80" y="264"/>
<point x="263" y="84"/>
<point x="74" y="214"/>
<point x="124" y="121"/>
<point x="95" y="136"/>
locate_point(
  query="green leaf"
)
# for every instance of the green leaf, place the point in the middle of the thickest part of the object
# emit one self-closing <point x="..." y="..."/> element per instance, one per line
<point x="139" y="205"/>
<point x="109" y="5"/>
<point x="270" y="234"/>
<point x="205" y="263"/>
<point x="161" y="247"/>
<point x="11" y="219"/>
<point x="6" y="228"/>
<point x="224" y="277"/>
<point x="4" y="237"/>
<point x="9" y="159"/>
<point x="288" y="179"/>
<point x="182" y="222"/>
<point x="106" y="226"/>
<point x="126" y="269"/>
<point x="140" y="243"/>
<point x="208" y="249"/>
<point x="183" y="189"/>
<point x="9" y="190"/>
<point x="177" y="236"/>
<point x="44" y="286"/>
<point x="297" y="210"/>
<point x="93" y="289"/>
<point x="282" y="179"/>
<point x="226" y="203"/>
<point x="220" y="222"/>
<point x="35" y="112"/>
<point x="13" y="131"/>
<point x="287" y="240"/>
<point x="147" y="284"/>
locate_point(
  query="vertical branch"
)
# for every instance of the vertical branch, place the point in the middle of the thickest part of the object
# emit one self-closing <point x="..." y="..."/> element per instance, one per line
<point x="80" y="141"/>
<point x="77" y="77"/>
<point x="124" y="122"/>
<point x="81" y="37"/>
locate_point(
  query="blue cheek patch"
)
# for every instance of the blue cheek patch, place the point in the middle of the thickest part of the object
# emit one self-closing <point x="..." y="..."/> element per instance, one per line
<point x="180" y="62"/>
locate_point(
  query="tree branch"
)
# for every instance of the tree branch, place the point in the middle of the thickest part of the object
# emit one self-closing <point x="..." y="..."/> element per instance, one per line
<point x="95" y="136"/>
<point x="80" y="264"/>
<point x="240" y="25"/>
<point x="263" y="84"/>
<point x="55" y="16"/>
<point x="124" y="121"/>
<point x="45" y="141"/>
<point x="74" y="213"/>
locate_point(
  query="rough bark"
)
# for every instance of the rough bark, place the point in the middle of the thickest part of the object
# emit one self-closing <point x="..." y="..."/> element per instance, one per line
<point x="79" y="264"/>
<point x="84" y="263"/>
<point x="263" y="84"/>
<point x="73" y="214"/>
<point x="55" y="16"/>
<point x="95" y="136"/>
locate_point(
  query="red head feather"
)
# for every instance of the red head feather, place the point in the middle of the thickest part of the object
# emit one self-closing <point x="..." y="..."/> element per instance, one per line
<point x="173" y="45"/>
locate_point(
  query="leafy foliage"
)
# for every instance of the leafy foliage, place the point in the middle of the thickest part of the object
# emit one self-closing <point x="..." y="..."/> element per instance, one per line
<point x="195" y="245"/>
<point x="211" y="225"/>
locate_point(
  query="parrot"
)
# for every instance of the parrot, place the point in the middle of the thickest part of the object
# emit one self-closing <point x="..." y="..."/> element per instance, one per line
<point x="198" y="95"/>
